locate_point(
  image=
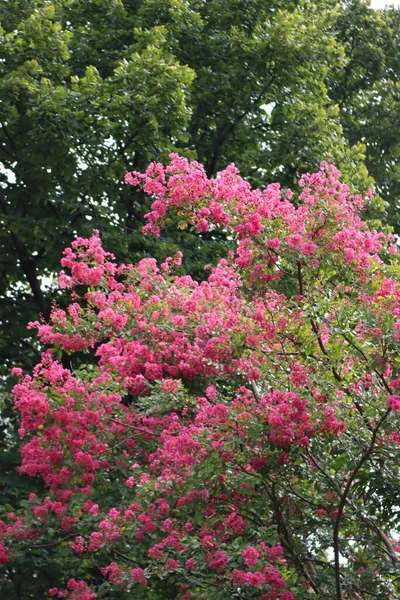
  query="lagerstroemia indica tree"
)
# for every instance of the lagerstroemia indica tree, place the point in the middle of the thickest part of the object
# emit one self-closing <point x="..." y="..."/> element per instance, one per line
<point x="234" y="438"/>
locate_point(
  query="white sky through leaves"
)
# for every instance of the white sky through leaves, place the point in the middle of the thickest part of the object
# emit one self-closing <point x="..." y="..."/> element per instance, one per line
<point x="383" y="3"/>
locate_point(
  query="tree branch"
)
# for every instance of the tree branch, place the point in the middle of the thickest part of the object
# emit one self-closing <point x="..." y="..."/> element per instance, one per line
<point x="365" y="455"/>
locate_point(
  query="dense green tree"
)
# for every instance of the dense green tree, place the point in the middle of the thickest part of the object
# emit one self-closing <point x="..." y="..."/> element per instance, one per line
<point x="367" y="91"/>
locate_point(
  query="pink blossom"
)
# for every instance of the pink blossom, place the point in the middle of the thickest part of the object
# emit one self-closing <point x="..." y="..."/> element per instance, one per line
<point x="250" y="556"/>
<point x="137" y="576"/>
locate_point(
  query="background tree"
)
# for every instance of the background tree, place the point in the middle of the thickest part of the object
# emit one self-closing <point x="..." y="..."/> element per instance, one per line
<point x="90" y="90"/>
<point x="365" y="88"/>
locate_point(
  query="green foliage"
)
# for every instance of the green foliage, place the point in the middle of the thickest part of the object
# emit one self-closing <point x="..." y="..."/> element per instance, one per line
<point x="366" y="89"/>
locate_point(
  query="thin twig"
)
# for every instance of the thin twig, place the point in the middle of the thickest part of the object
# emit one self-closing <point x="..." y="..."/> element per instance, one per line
<point x="365" y="455"/>
<point x="54" y="543"/>
<point x="133" y="427"/>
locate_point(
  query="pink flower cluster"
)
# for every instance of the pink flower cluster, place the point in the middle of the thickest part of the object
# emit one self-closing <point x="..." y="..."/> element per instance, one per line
<point x="325" y="223"/>
<point x="76" y="590"/>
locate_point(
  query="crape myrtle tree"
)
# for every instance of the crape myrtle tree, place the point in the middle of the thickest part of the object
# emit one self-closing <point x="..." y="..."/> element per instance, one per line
<point x="230" y="438"/>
